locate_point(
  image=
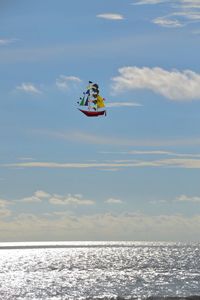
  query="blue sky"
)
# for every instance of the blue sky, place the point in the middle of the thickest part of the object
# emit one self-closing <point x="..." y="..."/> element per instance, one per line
<point x="132" y="175"/>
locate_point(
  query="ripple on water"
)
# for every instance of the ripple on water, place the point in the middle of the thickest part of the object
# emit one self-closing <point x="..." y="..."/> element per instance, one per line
<point x="109" y="270"/>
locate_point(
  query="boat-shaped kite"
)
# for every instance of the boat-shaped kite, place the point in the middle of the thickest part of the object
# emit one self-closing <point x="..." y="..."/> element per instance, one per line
<point x="92" y="101"/>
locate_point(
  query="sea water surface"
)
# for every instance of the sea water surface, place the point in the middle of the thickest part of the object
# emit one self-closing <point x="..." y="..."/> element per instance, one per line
<point x="98" y="270"/>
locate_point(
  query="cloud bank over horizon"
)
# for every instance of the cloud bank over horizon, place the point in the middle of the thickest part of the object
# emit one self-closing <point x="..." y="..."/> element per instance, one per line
<point x="108" y="226"/>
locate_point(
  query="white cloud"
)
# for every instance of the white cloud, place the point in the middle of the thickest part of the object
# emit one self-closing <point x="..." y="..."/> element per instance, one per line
<point x="183" y="12"/>
<point x="110" y="16"/>
<point x="54" y="165"/>
<point x="122" y="104"/>
<point x="54" y="199"/>
<point x="186" y="12"/>
<point x="173" y="162"/>
<point x="185" y="198"/>
<point x="113" y="201"/>
<point x="190" y="4"/>
<point x="70" y="200"/>
<point x="174" y="85"/>
<point x="184" y="4"/>
<point x="167" y="22"/>
<point x="65" y="82"/>
<point x="187" y="163"/>
<point x="180" y="160"/>
<point x="38" y="196"/>
<point x="159" y="152"/>
<point x="192" y="15"/>
<point x="149" y="2"/>
<point x="42" y="194"/>
<point x="4" y="211"/>
<point x="110" y="165"/>
<point x="4" y="203"/>
<point x="31" y="199"/>
<point x="152" y="152"/>
<point x="29" y="88"/>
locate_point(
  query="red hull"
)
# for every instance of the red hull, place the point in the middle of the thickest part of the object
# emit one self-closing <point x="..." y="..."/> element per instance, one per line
<point x="89" y="113"/>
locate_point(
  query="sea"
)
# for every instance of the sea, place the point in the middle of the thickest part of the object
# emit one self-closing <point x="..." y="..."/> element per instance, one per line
<point x="99" y="270"/>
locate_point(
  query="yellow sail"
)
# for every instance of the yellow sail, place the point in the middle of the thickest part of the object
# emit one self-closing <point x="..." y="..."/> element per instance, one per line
<point x="100" y="102"/>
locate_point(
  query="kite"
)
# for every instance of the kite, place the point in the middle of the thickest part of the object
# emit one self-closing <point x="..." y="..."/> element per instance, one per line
<point x="91" y="103"/>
